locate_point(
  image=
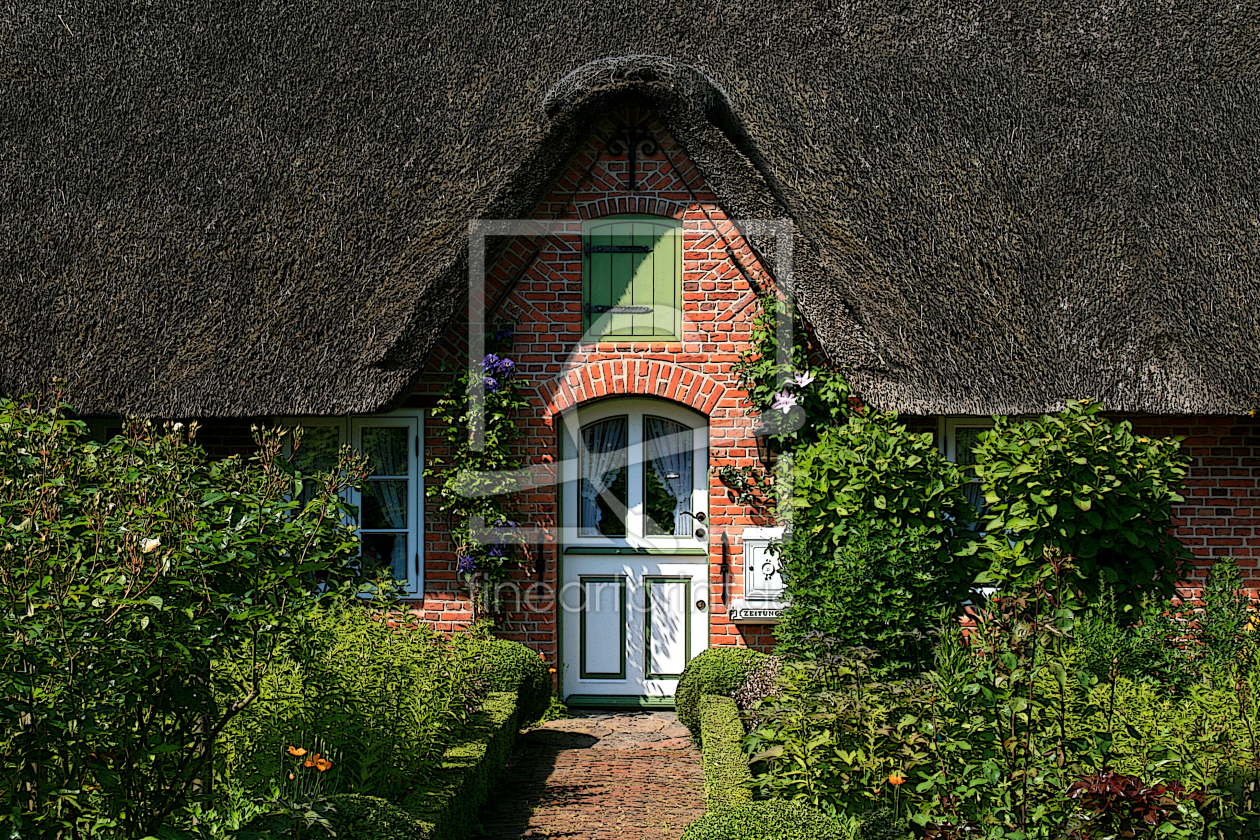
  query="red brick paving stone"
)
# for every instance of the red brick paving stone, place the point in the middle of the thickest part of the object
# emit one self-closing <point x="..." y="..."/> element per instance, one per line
<point x="553" y="790"/>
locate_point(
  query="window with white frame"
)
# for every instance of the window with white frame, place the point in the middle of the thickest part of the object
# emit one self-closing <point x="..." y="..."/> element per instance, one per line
<point x="957" y="441"/>
<point x="391" y="501"/>
<point x="635" y="475"/>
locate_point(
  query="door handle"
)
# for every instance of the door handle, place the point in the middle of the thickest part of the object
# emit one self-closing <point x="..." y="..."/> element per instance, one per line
<point x="700" y="605"/>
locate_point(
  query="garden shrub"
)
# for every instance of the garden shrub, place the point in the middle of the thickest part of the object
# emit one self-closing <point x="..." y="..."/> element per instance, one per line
<point x="381" y="691"/>
<point x="761" y="681"/>
<point x="717" y="670"/>
<point x="989" y="741"/>
<point x="1222" y="633"/>
<point x="878" y="517"/>
<point x="883" y="823"/>
<point x="768" y="820"/>
<point x="725" y="765"/>
<point x="452" y="800"/>
<point x="1144" y="645"/>
<point x="126" y="568"/>
<point x="511" y="666"/>
<point x="882" y="589"/>
<point x="1077" y="483"/>
<point x="361" y="817"/>
<point x="824" y="738"/>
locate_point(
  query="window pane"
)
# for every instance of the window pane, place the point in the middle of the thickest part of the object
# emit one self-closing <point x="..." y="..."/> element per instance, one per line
<point x="316" y="453"/>
<point x="318" y="450"/>
<point x="667" y="477"/>
<point x="965" y="438"/>
<point x="384" y="504"/>
<point x="385" y="552"/>
<point x="604" y="473"/>
<point x="387" y="449"/>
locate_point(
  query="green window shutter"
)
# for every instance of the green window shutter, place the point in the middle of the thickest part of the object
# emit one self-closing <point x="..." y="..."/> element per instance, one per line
<point x="632" y="278"/>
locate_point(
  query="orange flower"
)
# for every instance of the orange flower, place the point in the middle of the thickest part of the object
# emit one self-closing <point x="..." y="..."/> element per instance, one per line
<point x="322" y="764"/>
<point x="310" y="762"/>
<point x="894" y="779"/>
<point x="551" y="670"/>
<point x="298" y="751"/>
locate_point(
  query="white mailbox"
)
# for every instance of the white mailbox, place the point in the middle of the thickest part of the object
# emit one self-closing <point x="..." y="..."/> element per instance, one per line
<point x="762" y="581"/>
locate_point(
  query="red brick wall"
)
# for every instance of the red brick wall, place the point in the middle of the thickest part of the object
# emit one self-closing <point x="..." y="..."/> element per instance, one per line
<point x="538" y="283"/>
<point x="1221" y="516"/>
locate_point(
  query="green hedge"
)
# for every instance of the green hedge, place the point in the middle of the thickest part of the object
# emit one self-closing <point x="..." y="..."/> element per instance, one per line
<point x="771" y="820"/>
<point x="718" y="670"/>
<point x="446" y="808"/>
<point x="513" y="667"/>
<point x="725" y="764"/>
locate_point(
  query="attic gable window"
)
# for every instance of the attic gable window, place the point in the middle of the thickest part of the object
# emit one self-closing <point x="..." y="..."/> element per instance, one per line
<point x="390" y="502"/>
<point x="632" y="278"/>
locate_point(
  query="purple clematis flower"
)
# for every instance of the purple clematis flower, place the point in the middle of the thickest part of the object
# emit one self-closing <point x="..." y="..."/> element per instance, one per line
<point x="496" y="370"/>
<point x="803" y="379"/>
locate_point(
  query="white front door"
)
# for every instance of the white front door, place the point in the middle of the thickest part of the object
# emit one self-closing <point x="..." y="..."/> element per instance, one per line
<point x="631" y="624"/>
<point x="634" y="576"/>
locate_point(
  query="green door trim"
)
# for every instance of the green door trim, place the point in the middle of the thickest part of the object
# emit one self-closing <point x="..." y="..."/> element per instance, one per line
<point x="620" y="580"/>
<point x="618" y="701"/>
<point x="648" y="580"/>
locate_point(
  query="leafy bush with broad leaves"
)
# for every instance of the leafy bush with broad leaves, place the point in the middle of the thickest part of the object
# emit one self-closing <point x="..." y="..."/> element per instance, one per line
<point x="125" y="569"/>
<point x="878" y="515"/>
<point x="884" y="589"/>
<point x="382" y="691"/>
<point x="1087" y="487"/>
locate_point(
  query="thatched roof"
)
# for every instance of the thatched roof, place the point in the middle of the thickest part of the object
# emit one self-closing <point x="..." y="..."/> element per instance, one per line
<point x="213" y="208"/>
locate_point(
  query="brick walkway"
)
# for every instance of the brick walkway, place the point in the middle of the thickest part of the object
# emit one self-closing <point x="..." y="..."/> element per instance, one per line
<point x="632" y="776"/>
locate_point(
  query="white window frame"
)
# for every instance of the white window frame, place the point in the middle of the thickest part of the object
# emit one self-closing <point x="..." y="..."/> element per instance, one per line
<point x="947" y="435"/>
<point x="635" y="409"/>
<point x="350" y="432"/>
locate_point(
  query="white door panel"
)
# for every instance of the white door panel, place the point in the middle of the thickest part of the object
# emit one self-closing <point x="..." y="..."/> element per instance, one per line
<point x="631" y="626"/>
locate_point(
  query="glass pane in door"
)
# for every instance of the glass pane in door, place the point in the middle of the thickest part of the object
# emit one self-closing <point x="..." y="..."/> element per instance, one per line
<point x="603" y="488"/>
<point x="667" y="477"/>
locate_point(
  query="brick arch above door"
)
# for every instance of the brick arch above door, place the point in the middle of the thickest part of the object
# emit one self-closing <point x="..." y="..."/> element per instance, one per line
<point x="632" y="377"/>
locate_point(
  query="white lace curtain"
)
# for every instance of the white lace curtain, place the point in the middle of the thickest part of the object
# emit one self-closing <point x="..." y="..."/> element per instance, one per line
<point x="669" y="453"/>
<point x="387" y="449"/>
<point x="603" y="456"/>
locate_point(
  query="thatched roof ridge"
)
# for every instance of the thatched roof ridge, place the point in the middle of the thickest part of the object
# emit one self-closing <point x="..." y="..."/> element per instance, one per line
<point x="218" y="209"/>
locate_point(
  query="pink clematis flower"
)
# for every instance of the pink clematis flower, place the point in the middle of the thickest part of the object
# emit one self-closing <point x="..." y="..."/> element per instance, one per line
<point x="784" y="401"/>
<point x="803" y="379"/>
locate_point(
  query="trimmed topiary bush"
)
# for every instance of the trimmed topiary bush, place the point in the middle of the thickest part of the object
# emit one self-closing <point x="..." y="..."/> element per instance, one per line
<point x="725" y="764"/>
<point x="772" y="820"/>
<point x="513" y="667"/>
<point x="718" y="670"/>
